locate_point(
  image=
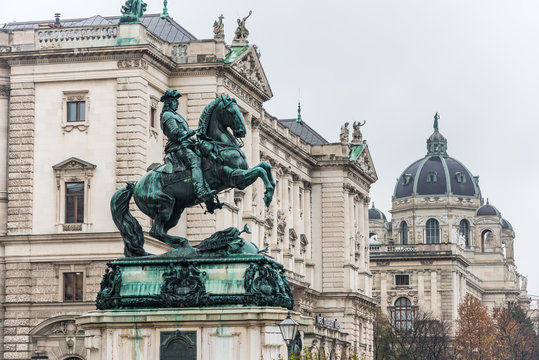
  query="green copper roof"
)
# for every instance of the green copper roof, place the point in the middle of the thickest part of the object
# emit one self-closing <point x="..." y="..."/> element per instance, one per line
<point x="355" y="151"/>
<point x="235" y="52"/>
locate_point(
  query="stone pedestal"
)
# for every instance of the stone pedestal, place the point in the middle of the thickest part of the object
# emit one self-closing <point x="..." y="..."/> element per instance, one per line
<point x="224" y="333"/>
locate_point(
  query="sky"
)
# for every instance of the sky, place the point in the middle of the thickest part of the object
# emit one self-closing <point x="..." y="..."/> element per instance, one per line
<point x="394" y="64"/>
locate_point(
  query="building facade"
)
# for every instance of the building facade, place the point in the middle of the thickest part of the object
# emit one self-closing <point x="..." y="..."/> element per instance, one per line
<point x="79" y="117"/>
<point x="442" y="242"/>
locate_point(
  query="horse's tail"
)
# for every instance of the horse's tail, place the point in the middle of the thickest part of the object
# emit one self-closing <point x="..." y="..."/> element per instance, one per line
<point x="125" y="222"/>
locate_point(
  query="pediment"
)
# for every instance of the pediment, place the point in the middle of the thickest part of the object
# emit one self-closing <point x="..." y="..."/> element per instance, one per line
<point x="362" y="158"/>
<point x="74" y="163"/>
<point x="248" y="65"/>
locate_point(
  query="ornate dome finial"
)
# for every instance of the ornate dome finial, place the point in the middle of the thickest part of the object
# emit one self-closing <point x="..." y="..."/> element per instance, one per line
<point x="436" y="117"/>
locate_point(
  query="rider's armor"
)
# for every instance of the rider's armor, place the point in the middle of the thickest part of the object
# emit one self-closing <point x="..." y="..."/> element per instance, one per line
<point x="180" y="149"/>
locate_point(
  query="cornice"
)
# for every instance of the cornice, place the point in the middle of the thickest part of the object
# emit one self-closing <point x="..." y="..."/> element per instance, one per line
<point x="62" y="56"/>
<point x="268" y="131"/>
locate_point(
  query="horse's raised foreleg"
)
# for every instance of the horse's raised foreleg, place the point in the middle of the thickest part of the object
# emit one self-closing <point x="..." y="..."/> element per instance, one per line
<point x="242" y="178"/>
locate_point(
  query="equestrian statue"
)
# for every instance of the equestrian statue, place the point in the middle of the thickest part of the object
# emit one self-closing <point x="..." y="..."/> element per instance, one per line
<point x="194" y="171"/>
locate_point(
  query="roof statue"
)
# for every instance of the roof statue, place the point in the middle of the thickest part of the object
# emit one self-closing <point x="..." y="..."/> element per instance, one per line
<point x="132" y="11"/>
<point x="357" y="137"/>
<point x="219" y="29"/>
<point x="241" y="33"/>
<point x="164" y="14"/>
<point x="345" y="133"/>
<point x="436" y="118"/>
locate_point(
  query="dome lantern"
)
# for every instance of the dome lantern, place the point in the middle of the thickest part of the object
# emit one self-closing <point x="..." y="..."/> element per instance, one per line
<point x="436" y="143"/>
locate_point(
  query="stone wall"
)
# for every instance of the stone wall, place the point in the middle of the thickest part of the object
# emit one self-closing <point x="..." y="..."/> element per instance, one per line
<point x="132" y="134"/>
<point x="34" y="295"/>
<point x="21" y="157"/>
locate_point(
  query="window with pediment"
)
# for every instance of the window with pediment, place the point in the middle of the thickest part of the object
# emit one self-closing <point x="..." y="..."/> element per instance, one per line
<point x="73" y="185"/>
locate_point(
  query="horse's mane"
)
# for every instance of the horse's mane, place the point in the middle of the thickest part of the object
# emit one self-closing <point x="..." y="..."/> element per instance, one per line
<point x="206" y="116"/>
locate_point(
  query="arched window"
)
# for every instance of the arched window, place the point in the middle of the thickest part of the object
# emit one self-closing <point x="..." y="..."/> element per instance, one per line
<point x="403" y="314"/>
<point x="432" y="232"/>
<point x="404" y="233"/>
<point x="486" y="235"/>
<point x="464" y="231"/>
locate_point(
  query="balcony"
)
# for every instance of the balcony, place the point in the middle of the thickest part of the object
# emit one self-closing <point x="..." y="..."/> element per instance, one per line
<point x="415" y="250"/>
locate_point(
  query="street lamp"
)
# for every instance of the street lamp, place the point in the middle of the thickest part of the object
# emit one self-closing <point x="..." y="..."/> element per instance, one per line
<point x="289" y="329"/>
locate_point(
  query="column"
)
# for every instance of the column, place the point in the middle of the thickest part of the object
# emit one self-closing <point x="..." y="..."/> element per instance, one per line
<point x="434" y="302"/>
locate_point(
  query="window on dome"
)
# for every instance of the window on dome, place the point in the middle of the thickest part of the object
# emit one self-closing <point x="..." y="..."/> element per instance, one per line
<point x="461" y="177"/>
<point x="432" y="232"/>
<point x="464" y="231"/>
<point x="432" y="177"/>
<point x="404" y="233"/>
<point x="406" y="179"/>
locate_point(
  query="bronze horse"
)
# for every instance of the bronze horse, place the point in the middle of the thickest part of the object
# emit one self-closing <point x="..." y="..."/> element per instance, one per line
<point x="163" y="197"/>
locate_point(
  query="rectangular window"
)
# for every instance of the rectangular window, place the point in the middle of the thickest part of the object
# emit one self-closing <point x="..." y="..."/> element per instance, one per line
<point x="73" y="284"/>
<point x="401" y="280"/>
<point x="76" y="111"/>
<point x="74" y="202"/>
<point x="152" y="117"/>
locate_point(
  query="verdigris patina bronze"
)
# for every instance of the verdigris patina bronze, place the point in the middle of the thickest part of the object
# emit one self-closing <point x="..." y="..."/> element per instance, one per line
<point x="167" y="190"/>
<point x="161" y="282"/>
<point x="223" y="269"/>
<point x="132" y="11"/>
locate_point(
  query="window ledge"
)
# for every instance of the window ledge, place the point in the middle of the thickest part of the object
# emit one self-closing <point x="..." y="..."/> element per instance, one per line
<point x="79" y="125"/>
<point x="74" y="227"/>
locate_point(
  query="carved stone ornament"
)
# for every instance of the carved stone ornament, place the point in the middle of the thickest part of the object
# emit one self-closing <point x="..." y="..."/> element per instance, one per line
<point x="281" y="221"/>
<point x="427" y="262"/>
<point x="269" y="217"/>
<point x="248" y="67"/>
<point x="132" y="64"/>
<point x="243" y="94"/>
<point x="365" y="164"/>
<point x="4" y="91"/>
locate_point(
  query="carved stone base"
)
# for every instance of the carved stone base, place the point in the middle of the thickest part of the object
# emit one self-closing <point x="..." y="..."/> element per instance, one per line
<point x="225" y="333"/>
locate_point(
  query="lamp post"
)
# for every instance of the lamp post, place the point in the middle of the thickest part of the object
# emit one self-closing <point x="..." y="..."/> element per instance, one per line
<point x="289" y="329"/>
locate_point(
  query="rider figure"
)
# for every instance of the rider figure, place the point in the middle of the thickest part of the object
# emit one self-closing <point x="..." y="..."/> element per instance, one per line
<point x="180" y="146"/>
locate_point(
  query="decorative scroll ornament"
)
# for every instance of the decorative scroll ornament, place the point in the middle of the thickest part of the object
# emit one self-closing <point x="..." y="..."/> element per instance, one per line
<point x="110" y="288"/>
<point x="182" y="284"/>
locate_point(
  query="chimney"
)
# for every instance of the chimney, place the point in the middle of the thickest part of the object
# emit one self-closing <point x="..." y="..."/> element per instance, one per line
<point x="57" y="19"/>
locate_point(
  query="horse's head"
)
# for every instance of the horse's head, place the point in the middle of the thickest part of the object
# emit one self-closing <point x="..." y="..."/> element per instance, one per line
<point x="231" y="116"/>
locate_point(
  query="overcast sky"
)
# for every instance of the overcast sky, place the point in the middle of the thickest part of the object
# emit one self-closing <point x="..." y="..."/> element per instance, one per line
<point x="393" y="63"/>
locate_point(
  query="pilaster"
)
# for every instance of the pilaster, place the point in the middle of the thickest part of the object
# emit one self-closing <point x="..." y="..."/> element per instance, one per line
<point x="21" y="158"/>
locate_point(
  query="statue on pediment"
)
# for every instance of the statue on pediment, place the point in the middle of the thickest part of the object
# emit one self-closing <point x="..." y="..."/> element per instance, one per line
<point x="357" y="137"/>
<point x="345" y="133"/>
<point x="219" y="29"/>
<point x="241" y="34"/>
